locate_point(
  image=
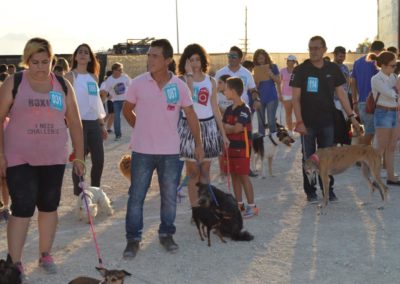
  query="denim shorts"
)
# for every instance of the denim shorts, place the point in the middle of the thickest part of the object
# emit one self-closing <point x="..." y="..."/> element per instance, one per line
<point x="367" y="119"/>
<point x="31" y="186"/>
<point x="385" y="118"/>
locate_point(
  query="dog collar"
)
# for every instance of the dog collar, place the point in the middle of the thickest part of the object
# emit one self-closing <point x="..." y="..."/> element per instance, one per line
<point x="314" y="158"/>
<point x="272" y="140"/>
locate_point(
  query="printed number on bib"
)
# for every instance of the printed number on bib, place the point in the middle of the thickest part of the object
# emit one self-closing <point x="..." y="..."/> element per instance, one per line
<point x="171" y="93"/>
<point x="56" y="100"/>
<point x="92" y="88"/>
<point x="312" y="85"/>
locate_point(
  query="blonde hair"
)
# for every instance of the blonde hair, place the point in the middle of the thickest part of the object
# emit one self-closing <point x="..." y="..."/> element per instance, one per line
<point x="35" y="45"/>
<point x="62" y="62"/>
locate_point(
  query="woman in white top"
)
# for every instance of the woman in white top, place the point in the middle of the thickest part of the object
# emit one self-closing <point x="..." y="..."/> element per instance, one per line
<point x="385" y="88"/>
<point x="193" y="66"/>
<point x="286" y="90"/>
<point x="84" y="78"/>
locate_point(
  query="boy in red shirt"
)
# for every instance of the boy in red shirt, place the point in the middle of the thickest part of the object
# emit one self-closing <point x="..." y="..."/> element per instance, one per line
<point x="237" y="124"/>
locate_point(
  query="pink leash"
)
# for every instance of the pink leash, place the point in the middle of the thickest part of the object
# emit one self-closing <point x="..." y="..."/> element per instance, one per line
<point x="82" y="186"/>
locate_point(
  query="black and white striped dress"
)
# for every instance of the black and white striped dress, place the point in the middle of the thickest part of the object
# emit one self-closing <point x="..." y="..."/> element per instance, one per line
<point x="210" y="135"/>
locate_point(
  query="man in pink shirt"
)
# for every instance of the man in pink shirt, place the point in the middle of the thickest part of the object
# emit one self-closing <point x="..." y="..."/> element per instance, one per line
<point x="153" y="103"/>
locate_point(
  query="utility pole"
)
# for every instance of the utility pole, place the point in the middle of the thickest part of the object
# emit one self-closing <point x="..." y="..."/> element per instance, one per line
<point x="177" y="25"/>
<point x="245" y="40"/>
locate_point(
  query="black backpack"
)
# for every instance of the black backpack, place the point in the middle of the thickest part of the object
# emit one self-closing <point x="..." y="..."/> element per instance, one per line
<point x="18" y="79"/>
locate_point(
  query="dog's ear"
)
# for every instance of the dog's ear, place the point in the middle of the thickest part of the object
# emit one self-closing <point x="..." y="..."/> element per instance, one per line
<point x="102" y="271"/>
<point x="126" y="273"/>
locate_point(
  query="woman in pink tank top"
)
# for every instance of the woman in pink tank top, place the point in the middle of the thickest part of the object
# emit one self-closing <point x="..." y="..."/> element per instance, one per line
<point x="34" y="146"/>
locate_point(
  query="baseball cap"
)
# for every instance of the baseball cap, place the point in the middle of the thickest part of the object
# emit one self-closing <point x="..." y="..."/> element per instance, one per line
<point x="292" y="58"/>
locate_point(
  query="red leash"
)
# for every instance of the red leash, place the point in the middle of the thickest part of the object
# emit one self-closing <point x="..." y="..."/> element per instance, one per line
<point x="228" y="171"/>
<point x="82" y="186"/>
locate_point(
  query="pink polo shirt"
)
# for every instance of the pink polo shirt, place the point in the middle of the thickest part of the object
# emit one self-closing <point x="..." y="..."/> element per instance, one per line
<point x="157" y="114"/>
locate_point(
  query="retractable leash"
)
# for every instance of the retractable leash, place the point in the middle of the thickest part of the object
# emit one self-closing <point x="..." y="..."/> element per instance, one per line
<point x="82" y="186"/>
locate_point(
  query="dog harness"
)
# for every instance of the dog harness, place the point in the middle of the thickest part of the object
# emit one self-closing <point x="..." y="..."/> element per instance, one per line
<point x="315" y="159"/>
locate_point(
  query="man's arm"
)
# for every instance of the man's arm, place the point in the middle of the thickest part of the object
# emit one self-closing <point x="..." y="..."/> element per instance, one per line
<point x="129" y="114"/>
<point x="354" y="94"/>
<point x="194" y="126"/>
<point x="300" y="127"/>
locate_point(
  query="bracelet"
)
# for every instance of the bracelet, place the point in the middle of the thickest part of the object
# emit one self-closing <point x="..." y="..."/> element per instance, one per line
<point x="80" y="161"/>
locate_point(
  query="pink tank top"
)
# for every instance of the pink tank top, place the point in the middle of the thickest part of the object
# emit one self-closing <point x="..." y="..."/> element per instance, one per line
<point x="36" y="133"/>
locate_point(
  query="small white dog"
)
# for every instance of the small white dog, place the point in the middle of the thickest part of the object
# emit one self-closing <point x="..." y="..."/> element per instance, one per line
<point x="97" y="200"/>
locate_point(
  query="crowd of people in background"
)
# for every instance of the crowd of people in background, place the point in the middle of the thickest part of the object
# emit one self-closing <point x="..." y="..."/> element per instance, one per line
<point x="191" y="117"/>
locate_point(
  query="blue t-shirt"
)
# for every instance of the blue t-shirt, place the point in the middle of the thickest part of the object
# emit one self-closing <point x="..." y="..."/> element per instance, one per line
<point x="363" y="71"/>
<point x="267" y="88"/>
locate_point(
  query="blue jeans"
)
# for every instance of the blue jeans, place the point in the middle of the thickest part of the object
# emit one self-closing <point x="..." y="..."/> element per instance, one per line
<point x="142" y="168"/>
<point x="367" y="119"/>
<point x="271" y="108"/>
<point x="117" y="117"/>
<point x="316" y="137"/>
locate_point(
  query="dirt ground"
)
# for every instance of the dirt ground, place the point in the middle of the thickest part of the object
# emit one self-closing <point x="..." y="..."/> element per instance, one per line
<point x="351" y="243"/>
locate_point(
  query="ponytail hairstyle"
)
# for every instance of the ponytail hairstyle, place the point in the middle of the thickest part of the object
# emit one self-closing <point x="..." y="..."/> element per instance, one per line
<point x="384" y="58"/>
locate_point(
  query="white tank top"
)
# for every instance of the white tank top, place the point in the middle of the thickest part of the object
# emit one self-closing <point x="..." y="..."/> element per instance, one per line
<point x="88" y="97"/>
<point x="202" y="92"/>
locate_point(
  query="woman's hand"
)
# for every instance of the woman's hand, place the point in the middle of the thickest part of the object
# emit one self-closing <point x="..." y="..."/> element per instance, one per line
<point x="188" y="67"/>
<point x="79" y="167"/>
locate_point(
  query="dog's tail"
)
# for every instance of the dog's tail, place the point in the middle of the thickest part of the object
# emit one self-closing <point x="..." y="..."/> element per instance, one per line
<point x="243" y="236"/>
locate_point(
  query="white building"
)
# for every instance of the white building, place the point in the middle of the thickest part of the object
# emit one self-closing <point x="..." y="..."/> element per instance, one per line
<point x="389" y="22"/>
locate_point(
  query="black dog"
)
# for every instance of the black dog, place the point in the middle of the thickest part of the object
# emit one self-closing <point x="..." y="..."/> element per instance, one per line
<point x="9" y="273"/>
<point x="207" y="219"/>
<point x="225" y="206"/>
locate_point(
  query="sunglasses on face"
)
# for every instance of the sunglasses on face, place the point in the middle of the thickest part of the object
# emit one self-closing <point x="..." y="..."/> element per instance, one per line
<point x="233" y="56"/>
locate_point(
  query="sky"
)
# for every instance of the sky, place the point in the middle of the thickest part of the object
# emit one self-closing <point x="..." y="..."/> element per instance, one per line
<point x="276" y="26"/>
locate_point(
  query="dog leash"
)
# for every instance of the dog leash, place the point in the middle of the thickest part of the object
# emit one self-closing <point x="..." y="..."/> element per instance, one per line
<point x="184" y="182"/>
<point x="209" y="185"/>
<point x="82" y="186"/>
<point x="228" y="170"/>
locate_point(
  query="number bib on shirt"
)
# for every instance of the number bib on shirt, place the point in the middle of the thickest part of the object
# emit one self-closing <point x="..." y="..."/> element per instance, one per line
<point x="56" y="100"/>
<point x="92" y="88"/>
<point x="312" y="84"/>
<point x="171" y="93"/>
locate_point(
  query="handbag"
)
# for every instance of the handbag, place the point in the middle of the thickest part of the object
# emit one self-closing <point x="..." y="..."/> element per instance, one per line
<point x="370" y="103"/>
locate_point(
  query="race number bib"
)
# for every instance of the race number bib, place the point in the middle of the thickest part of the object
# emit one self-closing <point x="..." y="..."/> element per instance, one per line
<point x="92" y="88"/>
<point x="171" y="93"/>
<point x="56" y="100"/>
<point x="312" y="84"/>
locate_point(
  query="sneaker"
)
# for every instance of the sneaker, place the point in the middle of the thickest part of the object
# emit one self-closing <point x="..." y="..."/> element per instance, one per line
<point x="168" y="243"/>
<point x="252" y="174"/>
<point x="250" y="212"/>
<point x="332" y="197"/>
<point x="22" y="276"/>
<point x="312" y="199"/>
<point x="132" y="247"/>
<point x="46" y="262"/>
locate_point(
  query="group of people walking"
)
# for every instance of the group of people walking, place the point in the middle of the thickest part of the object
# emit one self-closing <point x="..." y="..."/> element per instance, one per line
<point x="190" y="116"/>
